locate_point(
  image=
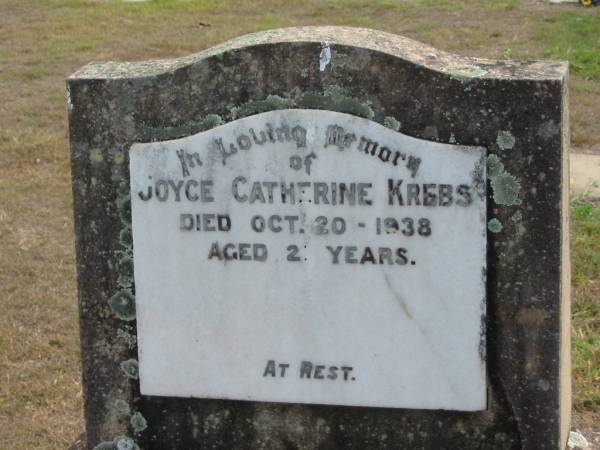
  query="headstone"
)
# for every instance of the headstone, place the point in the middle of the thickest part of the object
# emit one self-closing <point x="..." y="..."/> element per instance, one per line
<point x="322" y="238"/>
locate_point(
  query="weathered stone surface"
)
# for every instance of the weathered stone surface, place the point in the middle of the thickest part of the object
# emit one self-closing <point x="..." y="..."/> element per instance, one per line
<point x="517" y="111"/>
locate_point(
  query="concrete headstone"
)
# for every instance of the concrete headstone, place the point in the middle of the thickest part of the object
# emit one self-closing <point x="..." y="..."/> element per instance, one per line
<point x="322" y="238"/>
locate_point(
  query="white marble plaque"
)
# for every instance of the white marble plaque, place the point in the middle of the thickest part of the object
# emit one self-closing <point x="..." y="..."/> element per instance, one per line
<point x="311" y="256"/>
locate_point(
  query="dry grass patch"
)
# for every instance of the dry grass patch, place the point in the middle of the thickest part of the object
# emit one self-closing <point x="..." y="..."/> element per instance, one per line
<point x="43" y="41"/>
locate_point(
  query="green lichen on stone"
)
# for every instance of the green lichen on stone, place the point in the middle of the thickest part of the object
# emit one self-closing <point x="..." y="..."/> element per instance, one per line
<point x="210" y="121"/>
<point x="119" y="158"/>
<point x="506" y="189"/>
<point x="335" y="98"/>
<point x="123" y="305"/>
<point x="122" y="407"/>
<point x="125" y="266"/>
<point x="96" y="156"/>
<point x="517" y="217"/>
<point x="123" y="190"/>
<point x="124" y="172"/>
<point x="494" y="225"/>
<point x="130" y="339"/>
<point x="124" y="208"/>
<point x="168" y="133"/>
<point x="392" y="123"/>
<point x="125" y="237"/>
<point x="125" y="443"/>
<point x="130" y="368"/>
<point x="271" y="103"/>
<point x="138" y="422"/>
<point x="494" y="166"/>
<point x="125" y="281"/>
<point x="505" y="140"/>
<point x="119" y="443"/>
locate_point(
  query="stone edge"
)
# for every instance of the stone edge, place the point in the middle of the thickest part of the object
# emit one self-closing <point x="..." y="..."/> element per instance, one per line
<point x="565" y="398"/>
<point x="391" y="44"/>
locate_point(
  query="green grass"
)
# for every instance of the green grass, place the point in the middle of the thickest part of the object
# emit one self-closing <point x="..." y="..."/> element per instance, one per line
<point x="574" y="37"/>
<point x="586" y="241"/>
<point x="586" y="304"/>
<point x="507" y="5"/>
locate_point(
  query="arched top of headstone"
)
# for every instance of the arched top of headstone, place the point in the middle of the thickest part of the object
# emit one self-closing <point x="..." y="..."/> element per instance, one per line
<point x="330" y="36"/>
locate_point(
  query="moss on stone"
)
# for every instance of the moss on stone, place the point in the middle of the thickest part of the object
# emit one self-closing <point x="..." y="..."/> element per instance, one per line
<point x="123" y="305"/>
<point x="130" y="368"/>
<point x="392" y="123"/>
<point x="138" y="422"/>
<point x="494" y="225"/>
<point x="271" y="103"/>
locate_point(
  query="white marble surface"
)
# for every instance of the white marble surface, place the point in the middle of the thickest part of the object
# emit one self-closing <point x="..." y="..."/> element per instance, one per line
<point x="208" y="327"/>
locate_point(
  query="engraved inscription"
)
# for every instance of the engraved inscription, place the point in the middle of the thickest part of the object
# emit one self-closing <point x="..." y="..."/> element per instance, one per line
<point x="300" y="249"/>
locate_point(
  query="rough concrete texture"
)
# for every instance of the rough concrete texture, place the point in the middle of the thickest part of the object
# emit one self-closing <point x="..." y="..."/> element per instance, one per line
<point x="517" y="110"/>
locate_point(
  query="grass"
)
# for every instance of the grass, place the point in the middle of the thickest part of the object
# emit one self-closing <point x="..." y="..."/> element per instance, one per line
<point x="43" y="41"/>
<point x="586" y="305"/>
<point x="574" y="37"/>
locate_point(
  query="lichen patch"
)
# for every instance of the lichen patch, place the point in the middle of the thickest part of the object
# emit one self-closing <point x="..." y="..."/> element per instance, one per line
<point x="130" y="368"/>
<point x="123" y="305"/>
<point x="505" y="140"/>
<point x="138" y="422"/>
<point x="506" y="189"/>
<point x="392" y="123"/>
<point x="494" y="225"/>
